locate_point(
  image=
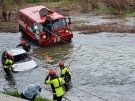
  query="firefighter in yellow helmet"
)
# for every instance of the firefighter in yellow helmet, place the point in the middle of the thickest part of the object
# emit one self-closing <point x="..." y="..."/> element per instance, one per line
<point x="65" y="73"/>
<point x="7" y="66"/>
<point x="57" y="84"/>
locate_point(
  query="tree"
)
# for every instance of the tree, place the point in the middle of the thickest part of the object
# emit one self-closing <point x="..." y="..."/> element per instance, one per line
<point x="9" y="6"/>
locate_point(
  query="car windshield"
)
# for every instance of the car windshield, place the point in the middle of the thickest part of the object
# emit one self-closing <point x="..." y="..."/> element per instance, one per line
<point x="22" y="58"/>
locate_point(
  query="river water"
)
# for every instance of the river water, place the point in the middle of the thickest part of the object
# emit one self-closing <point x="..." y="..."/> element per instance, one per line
<point x="102" y="66"/>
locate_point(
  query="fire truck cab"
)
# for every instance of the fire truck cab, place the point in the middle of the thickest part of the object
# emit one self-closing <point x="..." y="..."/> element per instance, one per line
<point x="32" y="22"/>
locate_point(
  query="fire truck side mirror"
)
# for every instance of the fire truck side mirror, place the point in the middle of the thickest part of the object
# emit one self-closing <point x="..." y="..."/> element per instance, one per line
<point x="68" y="20"/>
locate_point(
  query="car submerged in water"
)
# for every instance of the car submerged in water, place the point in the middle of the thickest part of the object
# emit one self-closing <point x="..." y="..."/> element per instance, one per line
<point x="22" y="60"/>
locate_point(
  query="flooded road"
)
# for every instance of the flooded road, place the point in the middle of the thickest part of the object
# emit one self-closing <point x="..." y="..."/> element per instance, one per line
<point x="102" y="66"/>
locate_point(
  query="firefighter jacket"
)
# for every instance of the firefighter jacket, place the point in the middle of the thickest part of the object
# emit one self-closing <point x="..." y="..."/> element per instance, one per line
<point x="65" y="74"/>
<point x="56" y="85"/>
<point x="8" y="62"/>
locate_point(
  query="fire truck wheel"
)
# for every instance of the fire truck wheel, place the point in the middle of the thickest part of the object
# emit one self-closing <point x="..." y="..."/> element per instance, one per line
<point x="23" y="34"/>
<point x="69" y="40"/>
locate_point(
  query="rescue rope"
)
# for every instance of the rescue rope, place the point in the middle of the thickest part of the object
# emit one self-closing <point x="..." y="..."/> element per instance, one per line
<point x="49" y="31"/>
<point x="45" y="44"/>
<point x="41" y="47"/>
<point x="65" y="39"/>
<point x="55" y="35"/>
<point x="69" y="66"/>
<point x="71" y="63"/>
<point x="74" y="57"/>
<point x="51" y="40"/>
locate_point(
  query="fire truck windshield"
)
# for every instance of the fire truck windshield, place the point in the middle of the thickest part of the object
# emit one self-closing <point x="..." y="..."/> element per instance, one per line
<point x="58" y="23"/>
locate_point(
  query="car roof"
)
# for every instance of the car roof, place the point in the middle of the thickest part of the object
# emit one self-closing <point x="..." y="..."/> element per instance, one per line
<point x="16" y="51"/>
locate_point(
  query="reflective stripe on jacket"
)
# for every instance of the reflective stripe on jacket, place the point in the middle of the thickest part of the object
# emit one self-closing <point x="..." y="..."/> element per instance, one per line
<point x="57" y="83"/>
<point x="5" y="66"/>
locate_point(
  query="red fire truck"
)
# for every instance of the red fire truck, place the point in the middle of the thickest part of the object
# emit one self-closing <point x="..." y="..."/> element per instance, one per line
<point x="32" y="23"/>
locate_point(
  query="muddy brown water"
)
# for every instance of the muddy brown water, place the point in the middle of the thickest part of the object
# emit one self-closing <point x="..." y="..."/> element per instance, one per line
<point x="102" y="68"/>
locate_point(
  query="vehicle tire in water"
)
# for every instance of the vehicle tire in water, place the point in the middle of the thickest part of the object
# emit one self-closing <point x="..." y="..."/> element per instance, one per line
<point x="23" y="35"/>
<point x="69" y="40"/>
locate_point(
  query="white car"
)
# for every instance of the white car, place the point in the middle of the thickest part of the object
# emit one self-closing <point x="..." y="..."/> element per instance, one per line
<point x="22" y="61"/>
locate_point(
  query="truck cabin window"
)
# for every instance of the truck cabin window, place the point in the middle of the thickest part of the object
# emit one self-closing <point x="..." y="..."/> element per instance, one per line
<point x="37" y="27"/>
<point x="57" y="23"/>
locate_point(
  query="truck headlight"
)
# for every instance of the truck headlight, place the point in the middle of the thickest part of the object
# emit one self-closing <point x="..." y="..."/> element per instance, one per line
<point x="44" y="36"/>
<point x="66" y="31"/>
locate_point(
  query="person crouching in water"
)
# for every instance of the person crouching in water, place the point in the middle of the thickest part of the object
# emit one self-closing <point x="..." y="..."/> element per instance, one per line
<point x="25" y="45"/>
<point x="31" y="91"/>
<point x="57" y="84"/>
<point x="65" y="73"/>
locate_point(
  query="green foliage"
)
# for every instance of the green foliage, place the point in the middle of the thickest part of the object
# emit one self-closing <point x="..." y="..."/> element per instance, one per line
<point x="12" y="93"/>
<point x="16" y="94"/>
<point x="128" y="12"/>
<point x="71" y="1"/>
<point x="8" y="1"/>
<point x="88" y="5"/>
<point x="34" y="1"/>
<point x="117" y="7"/>
<point x="104" y="9"/>
<point x="41" y="99"/>
<point x="68" y="2"/>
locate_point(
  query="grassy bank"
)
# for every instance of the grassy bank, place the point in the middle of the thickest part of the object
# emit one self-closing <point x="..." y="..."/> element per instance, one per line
<point x="16" y="94"/>
<point x="66" y="8"/>
<point x="115" y="7"/>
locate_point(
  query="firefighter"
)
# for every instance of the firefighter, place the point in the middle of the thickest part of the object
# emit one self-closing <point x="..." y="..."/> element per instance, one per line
<point x="31" y="91"/>
<point x="48" y="26"/>
<point x="65" y="73"/>
<point x="57" y="84"/>
<point x="25" y="45"/>
<point x="7" y="66"/>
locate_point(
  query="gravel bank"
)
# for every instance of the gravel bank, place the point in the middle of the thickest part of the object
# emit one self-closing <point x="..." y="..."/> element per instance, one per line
<point x="4" y="97"/>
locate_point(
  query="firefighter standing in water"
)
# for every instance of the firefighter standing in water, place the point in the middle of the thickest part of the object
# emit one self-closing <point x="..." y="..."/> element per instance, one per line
<point x="47" y="27"/>
<point x="57" y="84"/>
<point x="7" y="66"/>
<point x="65" y="73"/>
<point x="25" y="45"/>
